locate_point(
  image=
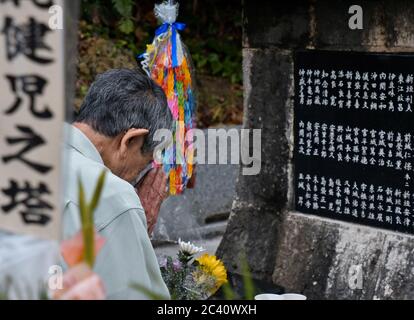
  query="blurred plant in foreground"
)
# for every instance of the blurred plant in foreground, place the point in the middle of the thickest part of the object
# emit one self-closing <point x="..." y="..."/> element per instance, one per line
<point x="213" y="36"/>
<point x="79" y="252"/>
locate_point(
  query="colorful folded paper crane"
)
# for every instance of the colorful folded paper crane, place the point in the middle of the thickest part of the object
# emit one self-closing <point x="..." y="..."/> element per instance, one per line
<point x="168" y="62"/>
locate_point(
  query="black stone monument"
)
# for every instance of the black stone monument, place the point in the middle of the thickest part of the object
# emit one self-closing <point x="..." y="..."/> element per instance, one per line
<point x="354" y="137"/>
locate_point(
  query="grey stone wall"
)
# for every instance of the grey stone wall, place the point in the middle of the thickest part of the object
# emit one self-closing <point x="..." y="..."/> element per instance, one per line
<point x="305" y="253"/>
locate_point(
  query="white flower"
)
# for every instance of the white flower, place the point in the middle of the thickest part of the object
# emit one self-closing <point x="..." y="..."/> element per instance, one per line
<point x="189" y="248"/>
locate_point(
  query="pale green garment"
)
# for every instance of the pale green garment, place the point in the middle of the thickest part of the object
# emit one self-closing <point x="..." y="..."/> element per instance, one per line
<point x="127" y="256"/>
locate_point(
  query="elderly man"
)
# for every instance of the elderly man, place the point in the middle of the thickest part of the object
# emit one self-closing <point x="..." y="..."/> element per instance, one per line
<point x="114" y="131"/>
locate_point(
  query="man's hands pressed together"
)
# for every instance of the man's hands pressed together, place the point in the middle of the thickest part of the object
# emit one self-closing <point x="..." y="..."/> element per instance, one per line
<point x="152" y="191"/>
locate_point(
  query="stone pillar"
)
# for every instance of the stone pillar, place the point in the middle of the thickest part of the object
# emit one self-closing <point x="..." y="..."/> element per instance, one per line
<point x="305" y="253"/>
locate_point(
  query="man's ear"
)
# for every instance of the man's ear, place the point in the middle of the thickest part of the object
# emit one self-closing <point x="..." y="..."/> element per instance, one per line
<point x="132" y="135"/>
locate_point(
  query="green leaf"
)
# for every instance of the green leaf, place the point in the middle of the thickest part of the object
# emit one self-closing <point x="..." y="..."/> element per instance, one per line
<point x="89" y="244"/>
<point x="124" y="7"/>
<point x="126" y="26"/>
<point x="249" y="290"/>
<point x="98" y="190"/>
<point x="82" y="204"/>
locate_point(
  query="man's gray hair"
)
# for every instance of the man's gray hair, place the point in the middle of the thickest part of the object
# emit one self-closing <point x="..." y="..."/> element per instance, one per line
<point x="121" y="99"/>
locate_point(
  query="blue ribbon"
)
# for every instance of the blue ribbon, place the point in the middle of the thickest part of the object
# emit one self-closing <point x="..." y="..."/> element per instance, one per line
<point x="174" y="27"/>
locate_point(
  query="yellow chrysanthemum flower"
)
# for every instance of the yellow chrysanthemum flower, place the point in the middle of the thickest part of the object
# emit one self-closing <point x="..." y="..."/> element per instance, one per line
<point x="214" y="267"/>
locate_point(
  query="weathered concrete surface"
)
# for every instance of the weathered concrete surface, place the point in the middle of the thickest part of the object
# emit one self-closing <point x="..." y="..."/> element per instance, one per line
<point x="262" y="198"/>
<point x="301" y="252"/>
<point x="318" y="257"/>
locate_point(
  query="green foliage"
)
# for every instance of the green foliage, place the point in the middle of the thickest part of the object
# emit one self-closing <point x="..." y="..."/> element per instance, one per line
<point x="214" y="37"/>
<point x="213" y="32"/>
<point x="227" y="67"/>
<point x="126" y="25"/>
<point x="98" y="53"/>
<point x="113" y="32"/>
<point x="124" y="8"/>
<point x="86" y="213"/>
<point x="109" y="13"/>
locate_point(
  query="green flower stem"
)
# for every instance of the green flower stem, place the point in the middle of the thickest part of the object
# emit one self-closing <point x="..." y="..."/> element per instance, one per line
<point x="87" y="214"/>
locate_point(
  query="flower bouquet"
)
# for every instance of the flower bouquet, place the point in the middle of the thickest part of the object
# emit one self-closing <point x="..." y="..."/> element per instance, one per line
<point x="192" y="278"/>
